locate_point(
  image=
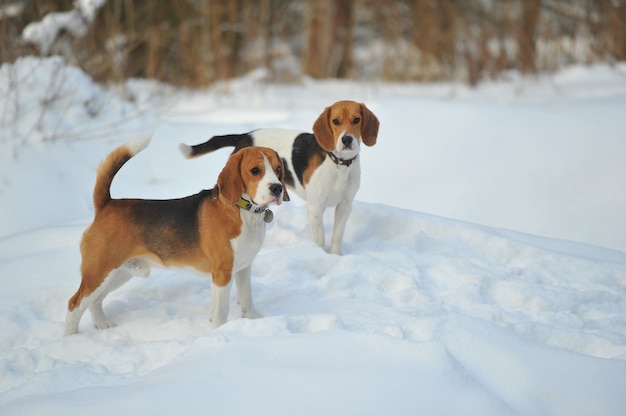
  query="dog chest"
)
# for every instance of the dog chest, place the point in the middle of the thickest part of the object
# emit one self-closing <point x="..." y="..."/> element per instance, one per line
<point x="331" y="184"/>
<point x="247" y="244"/>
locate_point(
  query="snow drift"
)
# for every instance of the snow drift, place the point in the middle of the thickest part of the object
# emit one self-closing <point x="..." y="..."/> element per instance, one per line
<point x="423" y="314"/>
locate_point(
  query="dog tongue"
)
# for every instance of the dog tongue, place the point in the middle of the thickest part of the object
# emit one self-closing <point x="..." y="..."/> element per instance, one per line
<point x="279" y="201"/>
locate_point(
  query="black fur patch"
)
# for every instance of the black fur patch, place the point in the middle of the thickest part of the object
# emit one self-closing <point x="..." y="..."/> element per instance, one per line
<point x="304" y="147"/>
<point x="289" y="179"/>
<point x="170" y="226"/>
<point x="238" y="141"/>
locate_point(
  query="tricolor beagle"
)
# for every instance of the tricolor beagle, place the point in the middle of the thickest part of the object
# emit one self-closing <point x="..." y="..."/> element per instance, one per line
<point x="323" y="167"/>
<point x="217" y="231"/>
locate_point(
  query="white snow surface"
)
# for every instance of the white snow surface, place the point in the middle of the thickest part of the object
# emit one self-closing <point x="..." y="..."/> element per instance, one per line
<point x="484" y="270"/>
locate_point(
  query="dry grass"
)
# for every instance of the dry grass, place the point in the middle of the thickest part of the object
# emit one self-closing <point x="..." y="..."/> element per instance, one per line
<point x="198" y="42"/>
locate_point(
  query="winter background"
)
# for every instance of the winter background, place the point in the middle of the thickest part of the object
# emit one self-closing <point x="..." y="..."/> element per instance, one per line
<point x="484" y="270"/>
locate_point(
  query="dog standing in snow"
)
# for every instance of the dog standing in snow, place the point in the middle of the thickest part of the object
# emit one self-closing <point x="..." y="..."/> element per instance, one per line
<point x="217" y="231"/>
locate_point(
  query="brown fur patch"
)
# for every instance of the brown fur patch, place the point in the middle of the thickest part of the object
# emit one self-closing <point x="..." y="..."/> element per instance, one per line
<point x="314" y="162"/>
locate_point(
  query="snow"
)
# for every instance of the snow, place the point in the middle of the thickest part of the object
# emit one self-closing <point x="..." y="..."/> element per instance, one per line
<point x="76" y="22"/>
<point x="484" y="270"/>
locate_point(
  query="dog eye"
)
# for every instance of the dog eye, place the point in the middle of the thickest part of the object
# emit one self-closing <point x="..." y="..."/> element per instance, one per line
<point x="335" y="122"/>
<point x="356" y="120"/>
<point x="278" y="170"/>
<point x="255" y="171"/>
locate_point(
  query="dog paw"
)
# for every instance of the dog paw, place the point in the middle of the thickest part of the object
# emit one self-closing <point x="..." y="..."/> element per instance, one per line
<point x="217" y="323"/>
<point x="335" y="250"/>
<point x="104" y="325"/>
<point x="251" y="314"/>
<point x="70" y="331"/>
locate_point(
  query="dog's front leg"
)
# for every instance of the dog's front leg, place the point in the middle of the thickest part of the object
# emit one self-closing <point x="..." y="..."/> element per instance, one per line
<point x="342" y="212"/>
<point x="244" y="291"/>
<point x="220" y="302"/>
<point x="316" y="223"/>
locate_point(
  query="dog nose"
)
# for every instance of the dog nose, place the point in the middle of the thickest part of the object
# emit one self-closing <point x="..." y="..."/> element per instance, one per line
<point x="347" y="140"/>
<point x="276" y="189"/>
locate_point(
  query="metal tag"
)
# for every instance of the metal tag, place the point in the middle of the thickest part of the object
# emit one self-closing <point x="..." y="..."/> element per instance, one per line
<point x="269" y="216"/>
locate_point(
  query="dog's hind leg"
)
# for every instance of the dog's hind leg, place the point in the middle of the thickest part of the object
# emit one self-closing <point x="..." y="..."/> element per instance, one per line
<point x="73" y="316"/>
<point x="93" y="301"/>
<point x="115" y="279"/>
<point x="134" y="267"/>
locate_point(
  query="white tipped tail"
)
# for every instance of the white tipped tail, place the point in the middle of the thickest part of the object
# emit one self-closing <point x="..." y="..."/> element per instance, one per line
<point x="110" y="166"/>
<point x="138" y="145"/>
<point x="185" y="150"/>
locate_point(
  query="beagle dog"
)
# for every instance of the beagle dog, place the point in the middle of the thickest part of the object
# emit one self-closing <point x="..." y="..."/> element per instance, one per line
<point x="323" y="167"/>
<point x="217" y="231"/>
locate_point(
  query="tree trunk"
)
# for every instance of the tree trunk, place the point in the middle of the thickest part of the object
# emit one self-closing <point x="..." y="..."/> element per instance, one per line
<point x="526" y="36"/>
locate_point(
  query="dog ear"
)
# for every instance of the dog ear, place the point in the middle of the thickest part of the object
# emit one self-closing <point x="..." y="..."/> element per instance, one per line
<point x="322" y="131"/>
<point x="281" y="177"/>
<point x="369" y="128"/>
<point x="229" y="180"/>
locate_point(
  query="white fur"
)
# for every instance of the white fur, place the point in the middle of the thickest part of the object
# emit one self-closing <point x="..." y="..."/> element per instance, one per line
<point x="220" y="298"/>
<point x="185" y="149"/>
<point x="138" y="145"/>
<point x="247" y="244"/>
<point x="244" y="290"/>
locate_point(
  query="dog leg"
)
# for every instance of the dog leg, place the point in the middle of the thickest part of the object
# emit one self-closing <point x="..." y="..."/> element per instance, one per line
<point x="342" y="212"/>
<point x="97" y="313"/>
<point x="316" y="223"/>
<point x="244" y="291"/>
<point x="72" y="319"/>
<point x="220" y="303"/>
<point x="115" y="279"/>
<point x="93" y="302"/>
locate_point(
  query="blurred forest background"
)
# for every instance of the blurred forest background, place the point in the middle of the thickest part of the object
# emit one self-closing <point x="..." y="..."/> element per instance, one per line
<point x="194" y="43"/>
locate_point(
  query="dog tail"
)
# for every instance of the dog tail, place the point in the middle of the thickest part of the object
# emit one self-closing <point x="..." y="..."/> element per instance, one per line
<point x="109" y="168"/>
<point x="237" y="141"/>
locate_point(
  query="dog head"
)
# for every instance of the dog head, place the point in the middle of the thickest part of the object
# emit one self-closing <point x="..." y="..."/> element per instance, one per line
<point x="343" y="126"/>
<point x="257" y="172"/>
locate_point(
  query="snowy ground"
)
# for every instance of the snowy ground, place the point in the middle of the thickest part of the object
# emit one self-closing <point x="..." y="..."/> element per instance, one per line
<point x="424" y="314"/>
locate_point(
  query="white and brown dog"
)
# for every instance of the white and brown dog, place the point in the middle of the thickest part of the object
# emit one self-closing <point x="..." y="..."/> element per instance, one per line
<point x="217" y="231"/>
<point x="323" y="167"/>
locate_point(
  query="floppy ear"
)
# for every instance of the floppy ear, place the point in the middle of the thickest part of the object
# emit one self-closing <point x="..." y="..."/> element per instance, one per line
<point x="282" y="177"/>
<point x="229" y="180"/>
<point x="369" y="128"/>
<point x="323" y="133"/>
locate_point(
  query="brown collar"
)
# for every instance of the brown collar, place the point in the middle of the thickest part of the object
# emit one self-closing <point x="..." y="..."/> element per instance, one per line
<point x="340" y="162"/>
